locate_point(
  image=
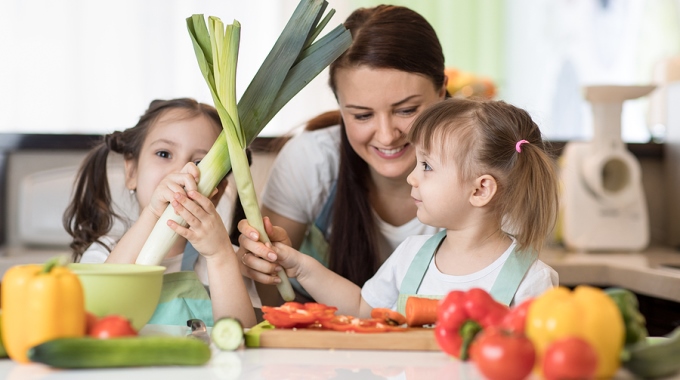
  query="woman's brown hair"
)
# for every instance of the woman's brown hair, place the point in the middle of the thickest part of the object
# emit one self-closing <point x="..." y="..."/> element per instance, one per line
<point x="90" y="215"/>
<point x="384" y="37"/>
<point x="481" y="137"/>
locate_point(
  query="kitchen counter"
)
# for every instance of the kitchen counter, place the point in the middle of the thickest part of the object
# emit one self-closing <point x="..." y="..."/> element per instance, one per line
<point x="278" y="364"/>
<point x="642" y="272"/>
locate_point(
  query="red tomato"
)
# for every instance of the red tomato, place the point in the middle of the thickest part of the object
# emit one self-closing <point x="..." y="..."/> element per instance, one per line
<point x="112" y="326"/>
<point x="90" y="321"/>
<point x="503" y="355"/>
<point x="569" y="358"/>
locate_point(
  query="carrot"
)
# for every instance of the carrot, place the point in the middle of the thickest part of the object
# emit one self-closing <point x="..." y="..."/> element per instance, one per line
<point x="390" y="316"/>
<point x="421" y="311"/>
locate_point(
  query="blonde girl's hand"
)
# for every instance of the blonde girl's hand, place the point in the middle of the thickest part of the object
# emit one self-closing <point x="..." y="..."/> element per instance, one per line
<point x="259" y="260"/>
<point x="184" y="181"/>
<point x="205" y="228"/>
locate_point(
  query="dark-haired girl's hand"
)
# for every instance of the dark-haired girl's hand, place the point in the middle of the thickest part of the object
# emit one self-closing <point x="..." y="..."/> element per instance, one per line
<point x="205" y="228"/>
<point x="175" y="183"/>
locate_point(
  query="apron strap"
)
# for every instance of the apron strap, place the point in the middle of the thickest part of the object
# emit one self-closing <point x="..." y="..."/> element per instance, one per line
<point x="315" y="243"/>
<point x="416" y="271"/>
<point x="189" y="257"/>
<point x="322" y="221"/>
<point x="511" y="275"/>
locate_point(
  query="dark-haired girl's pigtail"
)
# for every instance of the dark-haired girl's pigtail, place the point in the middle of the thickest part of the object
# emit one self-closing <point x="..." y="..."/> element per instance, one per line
<point x="90" y="214"/>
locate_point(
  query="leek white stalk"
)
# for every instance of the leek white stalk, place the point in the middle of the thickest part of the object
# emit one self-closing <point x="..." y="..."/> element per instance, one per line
<point x="292" y="63"/>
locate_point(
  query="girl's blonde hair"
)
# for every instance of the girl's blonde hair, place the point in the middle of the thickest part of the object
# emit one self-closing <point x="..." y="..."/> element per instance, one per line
<point x="481" y="137"/>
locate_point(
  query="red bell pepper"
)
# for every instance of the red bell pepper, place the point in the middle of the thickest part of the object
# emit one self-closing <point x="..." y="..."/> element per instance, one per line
<point x="516" y="319"/>
<point x="461" y="315"/>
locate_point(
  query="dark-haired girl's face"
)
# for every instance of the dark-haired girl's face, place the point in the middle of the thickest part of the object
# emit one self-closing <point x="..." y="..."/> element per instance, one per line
<point x="172" y="141"/>
<point x="378" y="107"/>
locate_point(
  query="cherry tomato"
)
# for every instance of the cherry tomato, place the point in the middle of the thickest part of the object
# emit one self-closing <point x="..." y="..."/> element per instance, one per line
<point x="569" y="358"/>
<point x="112" y="326"/>
<point x="90" y="321"/>
<point x="503" y="355"/>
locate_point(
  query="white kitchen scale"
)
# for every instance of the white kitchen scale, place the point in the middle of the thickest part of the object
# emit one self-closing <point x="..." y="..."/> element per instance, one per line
<point x="602" y="205"/>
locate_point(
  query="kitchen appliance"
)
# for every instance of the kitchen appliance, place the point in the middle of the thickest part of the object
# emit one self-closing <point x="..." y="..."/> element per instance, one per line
<point x="602" y="205"/>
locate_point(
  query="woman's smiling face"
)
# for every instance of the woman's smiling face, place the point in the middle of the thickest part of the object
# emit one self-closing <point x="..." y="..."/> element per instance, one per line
<point x="378" y="107"/>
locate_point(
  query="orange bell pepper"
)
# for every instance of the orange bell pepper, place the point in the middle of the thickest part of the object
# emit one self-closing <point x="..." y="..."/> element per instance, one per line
<point x="40" y="303"/>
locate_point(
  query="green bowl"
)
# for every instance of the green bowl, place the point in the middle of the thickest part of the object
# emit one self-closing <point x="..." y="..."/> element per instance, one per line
<point x="129" y="290"/>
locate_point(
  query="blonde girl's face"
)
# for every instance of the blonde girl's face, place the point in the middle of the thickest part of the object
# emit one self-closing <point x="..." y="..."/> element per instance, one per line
<point x="439" y="191"/>
<point x="172" y="141"/>
<point x="378" y="107"/>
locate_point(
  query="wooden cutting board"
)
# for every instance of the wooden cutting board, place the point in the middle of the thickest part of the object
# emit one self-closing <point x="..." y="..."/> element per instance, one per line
<point x="413" y="339"/>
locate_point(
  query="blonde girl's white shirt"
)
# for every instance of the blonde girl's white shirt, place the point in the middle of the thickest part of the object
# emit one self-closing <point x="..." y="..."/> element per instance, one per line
<point x="97" y="254"/>
<point x="301" y="179"/>
<point x="382" y="290"/>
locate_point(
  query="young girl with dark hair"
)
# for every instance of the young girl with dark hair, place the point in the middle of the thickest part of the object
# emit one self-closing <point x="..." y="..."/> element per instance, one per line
<point x="160" y="154"/>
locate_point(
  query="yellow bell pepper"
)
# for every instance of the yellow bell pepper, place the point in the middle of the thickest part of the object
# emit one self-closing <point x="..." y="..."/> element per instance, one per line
<point x="40" y="303"/>
<point x="588" y="313"/>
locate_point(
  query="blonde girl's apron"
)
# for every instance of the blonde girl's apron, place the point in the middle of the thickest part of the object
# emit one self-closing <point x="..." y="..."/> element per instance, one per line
<point x="183" y="295"/>
<point x="503" y="290"/>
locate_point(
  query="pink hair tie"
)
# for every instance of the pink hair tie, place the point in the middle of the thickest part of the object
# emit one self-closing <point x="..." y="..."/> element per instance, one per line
<point x="518" y="146"/>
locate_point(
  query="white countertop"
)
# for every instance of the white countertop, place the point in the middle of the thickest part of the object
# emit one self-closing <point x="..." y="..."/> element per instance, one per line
<point x="276" y="364"/>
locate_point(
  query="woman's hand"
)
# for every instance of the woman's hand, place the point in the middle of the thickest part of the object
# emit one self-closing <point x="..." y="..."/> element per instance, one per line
<point x="183" y="182"/>
<point x="259" y="260"/>
<point x="205" y="229"/>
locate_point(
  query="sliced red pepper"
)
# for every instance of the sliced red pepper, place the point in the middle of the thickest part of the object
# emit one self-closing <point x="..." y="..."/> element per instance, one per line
<point x="297" y="315"/>
<point x="389" y="316"/>
<point x="359" y="325"/>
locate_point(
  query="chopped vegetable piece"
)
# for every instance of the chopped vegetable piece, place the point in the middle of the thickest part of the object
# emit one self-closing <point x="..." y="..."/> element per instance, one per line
<point x="421" y="311"/>
<point x="359" y="325"/>
<point x="227" y="334"/>
<point x="297" y="315"/>
<point x="391" y="317"/>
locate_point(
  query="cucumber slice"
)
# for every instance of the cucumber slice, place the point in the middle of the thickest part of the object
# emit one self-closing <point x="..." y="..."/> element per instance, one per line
<point x="227" y="334"/>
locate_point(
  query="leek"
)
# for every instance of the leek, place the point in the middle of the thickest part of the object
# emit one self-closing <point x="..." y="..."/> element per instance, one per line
<point x="292" y="63"/>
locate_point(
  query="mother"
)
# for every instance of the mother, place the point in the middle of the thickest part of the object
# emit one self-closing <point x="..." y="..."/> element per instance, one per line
<point x="339" y="188"/>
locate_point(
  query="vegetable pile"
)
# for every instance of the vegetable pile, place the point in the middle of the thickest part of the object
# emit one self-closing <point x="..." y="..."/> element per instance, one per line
<point x="586" y="333"/>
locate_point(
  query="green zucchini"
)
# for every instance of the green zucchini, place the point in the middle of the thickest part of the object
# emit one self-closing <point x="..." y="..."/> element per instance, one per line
<point x="121" y="352"/>
<point x="655" y="356"/>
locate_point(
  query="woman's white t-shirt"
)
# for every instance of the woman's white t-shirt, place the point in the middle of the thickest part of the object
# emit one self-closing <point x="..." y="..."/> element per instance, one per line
<point x="301" y="179"/>
<point x="97" y="254"/>
<point x="383" y="289"/>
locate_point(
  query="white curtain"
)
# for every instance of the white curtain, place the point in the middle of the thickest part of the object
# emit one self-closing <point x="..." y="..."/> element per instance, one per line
<point x="81" y="66"/>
